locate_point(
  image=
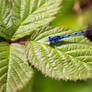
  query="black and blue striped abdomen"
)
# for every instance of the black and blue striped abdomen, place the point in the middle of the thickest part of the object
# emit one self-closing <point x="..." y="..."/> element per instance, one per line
<point x="72" y="34"/>
<point x="56" y="38"/>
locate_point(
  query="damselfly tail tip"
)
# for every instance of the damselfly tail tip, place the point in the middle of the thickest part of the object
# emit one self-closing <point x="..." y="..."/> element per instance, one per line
<point x="88" y="34"/>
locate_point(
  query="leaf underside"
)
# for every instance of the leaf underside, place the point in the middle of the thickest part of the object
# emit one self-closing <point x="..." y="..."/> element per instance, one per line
<point x="14" y="70"/>
<point x="19" y="18"/>
<point x="68" y="59"/>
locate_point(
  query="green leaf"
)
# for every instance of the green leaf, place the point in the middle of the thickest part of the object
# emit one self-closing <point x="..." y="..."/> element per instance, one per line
<point x="19" y="18"/>
<point x="68" y="59"/>
<point x="14" y="70"/>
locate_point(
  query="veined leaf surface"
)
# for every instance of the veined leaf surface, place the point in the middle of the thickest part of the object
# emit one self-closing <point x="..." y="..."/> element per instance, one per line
<point x="19" y="18"/>
<point x="68" y="59"/>
<point x="14" y="70"/>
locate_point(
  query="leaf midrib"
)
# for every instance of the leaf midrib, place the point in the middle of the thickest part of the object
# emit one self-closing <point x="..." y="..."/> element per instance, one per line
<point x="8" y="68"/>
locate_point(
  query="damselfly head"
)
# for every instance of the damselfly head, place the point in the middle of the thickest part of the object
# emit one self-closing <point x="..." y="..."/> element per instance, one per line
<point x="50" y="39"/>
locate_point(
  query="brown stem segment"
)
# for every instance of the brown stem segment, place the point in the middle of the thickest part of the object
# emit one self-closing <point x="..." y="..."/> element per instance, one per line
<point x="20" y="41"/>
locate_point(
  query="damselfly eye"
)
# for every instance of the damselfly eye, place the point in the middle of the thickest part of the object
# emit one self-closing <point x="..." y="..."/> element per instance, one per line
<point x="50" y="39"/>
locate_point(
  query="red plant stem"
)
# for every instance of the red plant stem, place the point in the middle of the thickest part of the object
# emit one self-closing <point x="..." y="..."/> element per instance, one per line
<point x="20" y="41"/>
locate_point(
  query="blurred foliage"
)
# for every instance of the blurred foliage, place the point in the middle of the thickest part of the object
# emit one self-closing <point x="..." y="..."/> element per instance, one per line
<point x="68" y="17"/>
<point x="2" y="39"/>
<point x="45" y="84"/>
<point x="27" y="88"/>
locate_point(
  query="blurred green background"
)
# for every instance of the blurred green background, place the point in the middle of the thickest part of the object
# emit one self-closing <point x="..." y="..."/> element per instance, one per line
<point x="76" y="15"/>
